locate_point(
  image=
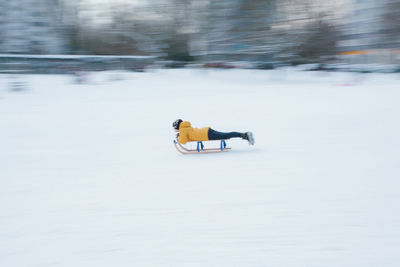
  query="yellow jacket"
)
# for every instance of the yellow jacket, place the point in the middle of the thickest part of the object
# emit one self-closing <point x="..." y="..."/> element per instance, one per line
<point x="188" y="134"/>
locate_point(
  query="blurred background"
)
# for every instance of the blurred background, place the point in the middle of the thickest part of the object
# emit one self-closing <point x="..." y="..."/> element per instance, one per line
<point x="89" y="175"/>
<point x="66" y="35"/>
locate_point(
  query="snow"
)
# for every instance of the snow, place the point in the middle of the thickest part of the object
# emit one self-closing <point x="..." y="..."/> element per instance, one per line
<point x="89" y="175"/>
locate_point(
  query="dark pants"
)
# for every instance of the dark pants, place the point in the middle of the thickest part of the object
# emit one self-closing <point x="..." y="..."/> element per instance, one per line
<point x="214" y="135"/>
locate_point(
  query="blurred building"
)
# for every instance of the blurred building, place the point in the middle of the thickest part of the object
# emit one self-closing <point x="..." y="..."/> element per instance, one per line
<point x="369" y="33"/>
<point x="31" y="27"/>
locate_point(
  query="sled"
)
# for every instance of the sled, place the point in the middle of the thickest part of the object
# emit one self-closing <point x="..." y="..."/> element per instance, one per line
<point x="200" y="148"/>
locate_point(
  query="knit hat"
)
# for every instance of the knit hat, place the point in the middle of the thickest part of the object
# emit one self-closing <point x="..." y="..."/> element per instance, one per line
<point x="176" y="124"/>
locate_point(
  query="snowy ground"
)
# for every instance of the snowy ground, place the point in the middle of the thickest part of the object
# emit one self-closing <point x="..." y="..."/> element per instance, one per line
<point x="89" y="175"/>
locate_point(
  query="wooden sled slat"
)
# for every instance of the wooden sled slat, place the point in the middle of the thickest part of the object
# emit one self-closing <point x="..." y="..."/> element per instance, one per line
<point x="206" y="149"/>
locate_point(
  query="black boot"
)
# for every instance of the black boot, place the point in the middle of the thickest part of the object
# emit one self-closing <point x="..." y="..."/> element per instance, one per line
<point x="249" y="137"/>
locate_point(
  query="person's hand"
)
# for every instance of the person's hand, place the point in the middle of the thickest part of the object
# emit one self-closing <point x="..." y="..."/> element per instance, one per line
<point x="177" y="135"/>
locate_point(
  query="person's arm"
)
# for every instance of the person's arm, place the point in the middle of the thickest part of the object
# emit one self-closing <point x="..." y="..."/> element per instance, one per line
<point x="182" y="139"/>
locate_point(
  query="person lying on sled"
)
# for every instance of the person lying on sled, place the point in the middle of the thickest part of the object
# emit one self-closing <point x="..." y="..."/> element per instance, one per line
<point x="187" y="134"/>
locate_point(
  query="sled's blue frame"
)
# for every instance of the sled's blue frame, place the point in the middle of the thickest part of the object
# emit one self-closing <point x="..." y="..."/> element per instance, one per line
<point x="200" y="145"/>
<point x="200" y="148"/>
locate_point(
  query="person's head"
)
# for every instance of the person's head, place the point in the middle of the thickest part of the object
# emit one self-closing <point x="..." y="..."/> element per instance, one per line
<point x="176" y="124"/>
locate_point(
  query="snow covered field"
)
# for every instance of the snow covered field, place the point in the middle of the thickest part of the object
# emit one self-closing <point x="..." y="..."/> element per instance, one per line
<point x="89" y="175"/>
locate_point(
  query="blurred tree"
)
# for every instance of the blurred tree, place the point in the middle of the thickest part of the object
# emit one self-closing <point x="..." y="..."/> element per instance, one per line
<point x="213" y="30"/>
<point x="121" y="32"/>
<point x="31" y="27"/>
<point x="318" y="43"/>
<point x="239" y="29"/>
<point x="179" y="30"/>
<point x="260" y="30"/>
<point x="254" y="22"/>
<point x="309" y="35"/>
<point x="391" y="22"/>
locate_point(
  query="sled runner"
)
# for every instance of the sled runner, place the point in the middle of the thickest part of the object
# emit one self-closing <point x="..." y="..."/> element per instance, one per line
<point x="200" y="148"/>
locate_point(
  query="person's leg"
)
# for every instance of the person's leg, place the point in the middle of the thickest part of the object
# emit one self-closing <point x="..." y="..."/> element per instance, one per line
<point x="215" y="135"/>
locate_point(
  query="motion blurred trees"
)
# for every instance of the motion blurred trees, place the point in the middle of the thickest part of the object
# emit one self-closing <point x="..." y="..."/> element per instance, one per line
<point x="117" y="32"/>
<point x="391" y="21"/>
<point x="285" y="30"/>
